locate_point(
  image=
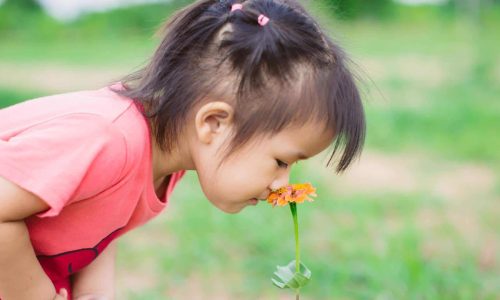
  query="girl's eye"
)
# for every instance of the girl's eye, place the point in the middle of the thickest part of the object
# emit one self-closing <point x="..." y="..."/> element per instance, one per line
<point x="281" y="164"/>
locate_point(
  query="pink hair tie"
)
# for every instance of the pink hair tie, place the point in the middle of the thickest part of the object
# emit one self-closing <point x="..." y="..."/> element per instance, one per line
<point x="236" y="6"/>
<point x="262" y="20"/>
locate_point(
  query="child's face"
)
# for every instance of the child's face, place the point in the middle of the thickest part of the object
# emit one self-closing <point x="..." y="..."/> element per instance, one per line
<point x="255" y="170"/>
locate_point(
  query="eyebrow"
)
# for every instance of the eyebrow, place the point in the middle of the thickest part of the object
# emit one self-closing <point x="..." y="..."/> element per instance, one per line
<point x="300" y="155"/>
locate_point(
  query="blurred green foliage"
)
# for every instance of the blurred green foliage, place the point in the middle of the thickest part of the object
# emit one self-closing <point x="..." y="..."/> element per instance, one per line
<point x="11" y="97"/>
<point x="27" y="5"/>
<point x="353" y="9"/>
<point x="390" y="9"/>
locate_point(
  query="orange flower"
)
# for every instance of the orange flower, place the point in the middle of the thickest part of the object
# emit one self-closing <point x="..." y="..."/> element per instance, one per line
<point x="292" y="193"/>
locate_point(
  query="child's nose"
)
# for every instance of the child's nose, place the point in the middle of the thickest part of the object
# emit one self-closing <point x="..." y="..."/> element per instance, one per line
<point x="281" y="180"/>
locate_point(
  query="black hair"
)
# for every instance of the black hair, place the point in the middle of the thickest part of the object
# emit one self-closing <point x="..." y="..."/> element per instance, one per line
<point x="285" y="73"/>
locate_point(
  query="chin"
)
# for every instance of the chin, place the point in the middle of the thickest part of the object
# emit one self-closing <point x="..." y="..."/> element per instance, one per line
<point x="229" y="207"/>
<point x="233" y="209"/>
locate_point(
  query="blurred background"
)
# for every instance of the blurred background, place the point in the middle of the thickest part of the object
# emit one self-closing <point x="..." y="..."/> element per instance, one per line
<point x="416" y="217"/>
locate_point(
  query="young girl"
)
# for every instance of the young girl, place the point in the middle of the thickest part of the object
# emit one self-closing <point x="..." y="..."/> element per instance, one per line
<point x="236" y="91"/>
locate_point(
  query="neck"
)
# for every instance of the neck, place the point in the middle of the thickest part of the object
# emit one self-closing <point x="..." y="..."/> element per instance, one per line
<point x="166" y="163"/>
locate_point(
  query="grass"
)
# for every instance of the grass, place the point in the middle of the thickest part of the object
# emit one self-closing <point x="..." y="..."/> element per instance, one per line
<point x="434" y="93"/>
<point x="359" y="247"/>
<point x="463" y="115"/>
<point x="99" y="51"/>
<point x="439" y="91"/>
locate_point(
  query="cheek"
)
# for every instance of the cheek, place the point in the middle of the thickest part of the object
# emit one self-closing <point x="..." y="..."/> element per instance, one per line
<point x="206" y="171"/>
<point x="237" y="180"/>
<point x="234" y="181"/>
<point x="219" y="185"/>
<point x="247" y="181"/>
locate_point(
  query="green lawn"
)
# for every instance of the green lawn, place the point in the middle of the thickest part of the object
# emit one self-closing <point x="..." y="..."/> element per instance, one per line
<point x="432" y="96"/>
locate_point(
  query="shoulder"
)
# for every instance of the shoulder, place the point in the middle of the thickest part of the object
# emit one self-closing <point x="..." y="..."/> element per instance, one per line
<point x="68" y="157"/>
<point x="90" y="136"/>
<point x="103" y="102"/>
<point x="73" y="129"/>
<point x="71" y="141"/>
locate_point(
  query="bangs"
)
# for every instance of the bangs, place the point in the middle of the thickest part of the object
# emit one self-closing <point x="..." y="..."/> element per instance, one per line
<point x="322" y="95"/>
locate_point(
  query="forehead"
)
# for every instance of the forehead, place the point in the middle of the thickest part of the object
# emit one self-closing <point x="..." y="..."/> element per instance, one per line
<point x="308" y="139"/>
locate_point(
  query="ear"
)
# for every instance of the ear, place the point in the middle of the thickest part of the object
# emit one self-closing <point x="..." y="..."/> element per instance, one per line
<point x="213" y="119"/>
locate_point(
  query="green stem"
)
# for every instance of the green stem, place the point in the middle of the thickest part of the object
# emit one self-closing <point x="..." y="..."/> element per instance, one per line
<point x="293" y="208"/>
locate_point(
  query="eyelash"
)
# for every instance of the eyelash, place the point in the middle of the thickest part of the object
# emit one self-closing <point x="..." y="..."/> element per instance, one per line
<point x="281" y="164"/>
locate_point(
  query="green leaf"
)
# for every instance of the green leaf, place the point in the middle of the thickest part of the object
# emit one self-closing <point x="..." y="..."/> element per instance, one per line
<point x="286" y="277"/>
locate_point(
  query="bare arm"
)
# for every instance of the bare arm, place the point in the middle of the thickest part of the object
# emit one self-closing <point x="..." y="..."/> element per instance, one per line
<point x="21" y="275"/>
<point x="96" y="281"/>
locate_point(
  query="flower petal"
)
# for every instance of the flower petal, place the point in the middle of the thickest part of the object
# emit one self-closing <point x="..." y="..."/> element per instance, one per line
<point x="292" y="193"/>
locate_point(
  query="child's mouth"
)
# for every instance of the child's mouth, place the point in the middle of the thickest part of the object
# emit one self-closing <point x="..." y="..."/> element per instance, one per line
<point x="254" y="201"/>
